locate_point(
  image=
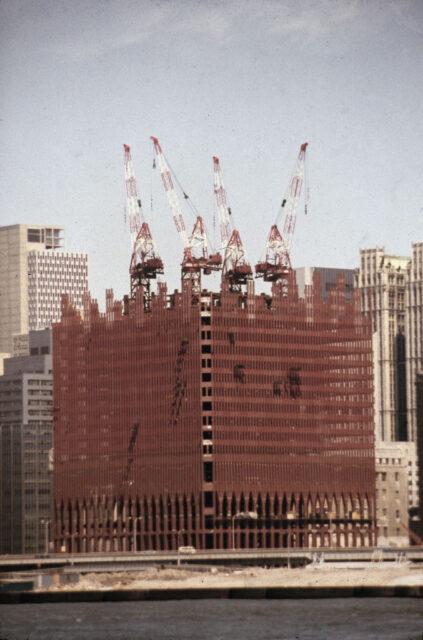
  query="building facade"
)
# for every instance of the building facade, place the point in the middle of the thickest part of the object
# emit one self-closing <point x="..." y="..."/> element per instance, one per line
<point x="26" y="441"/>
<point x="391" y="291"/>
<point x="328" y="279"/>
<point x="236" y="420"/>
<point x="35" y="272"/>
<point x="418" y="525"/>
<point x="414" y="337"/>
<point x="393" y="475"/>
<point x="382" y="282"/>
<point x="50" y="275"/>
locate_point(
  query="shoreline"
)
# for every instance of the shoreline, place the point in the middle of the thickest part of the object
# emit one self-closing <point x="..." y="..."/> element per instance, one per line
<point x="207" y="593"/>
<point x="329" y="580"/>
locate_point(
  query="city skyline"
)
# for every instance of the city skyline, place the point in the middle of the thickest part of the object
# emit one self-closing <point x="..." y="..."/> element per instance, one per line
<point x="246" y="82"/>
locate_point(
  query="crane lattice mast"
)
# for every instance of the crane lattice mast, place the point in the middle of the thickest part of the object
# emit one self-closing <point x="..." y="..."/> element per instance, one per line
<point x="277" y="263"/>
<point x="236" y="268"/>
<point x="196" y="253"/>
<point x="145" y="263"/>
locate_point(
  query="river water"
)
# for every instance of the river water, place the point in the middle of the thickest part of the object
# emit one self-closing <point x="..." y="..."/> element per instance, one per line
<point x="335" y="619"/>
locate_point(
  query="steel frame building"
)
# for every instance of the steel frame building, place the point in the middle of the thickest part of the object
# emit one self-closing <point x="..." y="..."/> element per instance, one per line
<point x="231" y="420"/>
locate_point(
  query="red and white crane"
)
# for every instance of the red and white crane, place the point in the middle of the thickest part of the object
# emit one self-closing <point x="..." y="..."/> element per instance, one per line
<point x="197" y="258"/>
<point x="277" y="262"/>
<point x="145" y="262"/>
<point x="236" y="268"/>
<point x="222" y="205"/>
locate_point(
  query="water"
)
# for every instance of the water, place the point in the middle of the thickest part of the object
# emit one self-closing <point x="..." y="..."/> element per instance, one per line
<point x="335" y="619"/>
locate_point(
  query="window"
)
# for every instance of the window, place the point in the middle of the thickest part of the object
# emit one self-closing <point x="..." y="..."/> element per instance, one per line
<point x="208" y="472"/>
<point x="35" y="235"/>
<point x="208" y="498"/>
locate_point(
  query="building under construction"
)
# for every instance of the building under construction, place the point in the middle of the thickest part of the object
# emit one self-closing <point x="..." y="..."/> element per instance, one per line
<point x="237" y="420"/>
<point x="214" y="420"/>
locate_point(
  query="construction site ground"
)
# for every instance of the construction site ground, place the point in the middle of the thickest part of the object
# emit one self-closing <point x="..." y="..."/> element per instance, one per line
<point x="316" y="575"/>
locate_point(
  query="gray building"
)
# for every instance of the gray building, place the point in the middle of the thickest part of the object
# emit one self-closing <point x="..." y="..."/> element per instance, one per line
<point x="26" y="448"/>
<point x="328" y="278"/>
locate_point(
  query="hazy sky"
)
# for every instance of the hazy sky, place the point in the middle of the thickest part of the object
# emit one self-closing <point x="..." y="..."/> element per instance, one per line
<point x="245" y="80"/>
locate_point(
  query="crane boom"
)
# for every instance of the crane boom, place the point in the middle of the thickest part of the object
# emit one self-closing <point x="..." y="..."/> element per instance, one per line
<point x="145" y="263"/>
<point x="171" y="194"/>
<point x="277" y="262"/>
<point x="132" y="199"/>
<point x="294" y="197"/>
<point x="196" y="253"/>
<point x="222" y="204"/>
<point x="236" y="268"/>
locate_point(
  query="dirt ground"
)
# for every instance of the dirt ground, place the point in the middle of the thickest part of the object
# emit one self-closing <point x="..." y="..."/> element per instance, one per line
<point x="327" y="574"/>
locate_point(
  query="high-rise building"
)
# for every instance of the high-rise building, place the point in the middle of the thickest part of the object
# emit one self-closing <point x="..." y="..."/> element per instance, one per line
<point x="391" y="289"/>
<point x="414" y="337"/>
<point x="232" y="420"/>
<point x="26" y="441"/>
<point x="328" y="279"/>
<point x="419" y="423"/>
<point x="382" y="282"/>
<point x="34" y="273"/>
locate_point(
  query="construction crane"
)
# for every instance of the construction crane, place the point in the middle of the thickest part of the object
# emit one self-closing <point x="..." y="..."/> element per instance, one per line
<point x="197" y="258"/>
<point x="145" y="263"/>
<point x="236" y="268"/>
<point x="222" y="205"/>
<point x="277" y="262"/>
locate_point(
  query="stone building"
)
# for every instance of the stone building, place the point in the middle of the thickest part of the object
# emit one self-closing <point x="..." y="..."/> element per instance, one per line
<point x="391" y="289"/>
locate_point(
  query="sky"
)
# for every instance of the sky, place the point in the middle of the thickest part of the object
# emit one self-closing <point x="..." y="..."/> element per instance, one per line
<point x="247" y="81"/>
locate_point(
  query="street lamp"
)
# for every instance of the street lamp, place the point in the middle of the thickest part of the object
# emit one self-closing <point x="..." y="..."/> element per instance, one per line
<point x="245" y="515"/>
